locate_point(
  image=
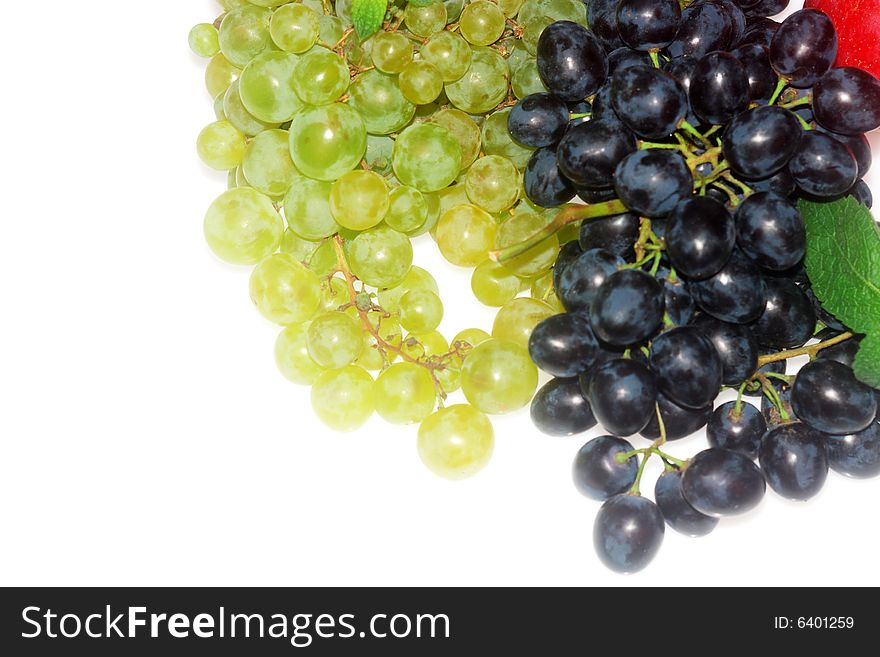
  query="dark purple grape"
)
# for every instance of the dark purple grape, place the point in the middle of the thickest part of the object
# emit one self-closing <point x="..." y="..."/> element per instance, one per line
<point x="596" y="195"/>
<point x="580" y="107"/>
<point x="648" y="24"/>
<point x="598" y="473"/>
<point x="734" y="294"/>
<point x="780" y="183"/>
<point x="760" y="141"/>
<point x="538" y="120"/>
<point x="679" y="422"/>
<point x="759" y="30"/>
<point x="623" y="58"/>
<point x="788" y="319"/>
<point x="616" y="234"/>
<point x="735" y="16"/>
<point x="804" y="47"/>
<point x="719" y="88"/>
<point x="628" y="533"/>
<point x="737" y="431"/>
<point x="847" y="100"/>
<point x="823" y="315"/>
<point x="569" y="252"/>
<point x="736" y="346"/>
<point x="602" y="109"/>
<point x="622" y="394"/>
<point x="590" y="152"/>
<point x="860" y="148"/>
<point x="584" y="276"/>
<point x="677" y="511"/>
<point x="602" y="19"/>
<point x="823" y="166"/>
<point x="648" y="100"/>
<point x="678" y="302"/>
<point x="560" y="408"/>
<point x="827" y="396"/>
<point x="856" y="454"/>
<point x="719" y="482"/>
<point x="762" y="78"/>
<point x="704" y="27"/>
<point x="682" y="69"/>
<point x="862" y="193"/>
<point x="544" y="183"/>
<point x="794" y="460"/>
<point x="571" y="61"/>
<point x="700" y="237"/>
<point x="767" y="7"/>
<point x="770" y="231"/>
<point x="652" y="182"/>
<point x="844" y="352"/>
<point x="627" y="308"/>
<point x="563" y="345"/>
<point x="688" y="368"/>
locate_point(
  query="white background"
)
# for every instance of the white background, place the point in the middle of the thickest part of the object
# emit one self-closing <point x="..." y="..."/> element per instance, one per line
<point x="147" y="438"/>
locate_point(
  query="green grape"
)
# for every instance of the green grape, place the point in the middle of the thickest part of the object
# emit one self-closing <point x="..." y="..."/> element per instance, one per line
<point x="405" y="393"/>
<point x="221" y="146"/>
<point x="465" y="131"/>
<point x="493" y="284"/>
<point x="359" y="199"/>
<point x="420" y="311"/>
<point x="416" y="279"/>
<point x="558" y="10"/>
<point x="483" y="86"/>
<point x="380" y="256"/>
<point x="482" y="23"/>
<point x="465" y="234"/>
<point x="456" y="442"/>
<point x="371" y="357"/>
<point x="343" y="10"/>
<point x="391" y="52"/>
<point x="471" y="337"/>
<point x="267" y="164"/>
<point x="510" y="7"/>
<point x="540" y="257"/>
<point x="266" y="87"/>
<point x="408" y="209"/>
<point x="497" y="140"/>
<point x="526" y="81"/>
<point x="424" y="345"/>
<point x="433" y="200"/>
<point x="292" y="356"/>
<point x="518" y="318"/>
<point x="284" y="290"/>
<point x="294" y="28"/>
<point x="380" y="102"/>
<point x="327" y="141"/>
<point x="499" y="377"/>
<point x="517" y="55"/>
<point x="240" y="180"/>
<point x="425" y="20"/>
<point x="453" y="10"/>
<point x="334" y="293"/>
<point x="320" y="78"/>
<point x="449" y="377"/>
<point x="238" y="115"/>
<point x="453" y="196"/>
<point x="378" y="155"/>
<point x="268" y="3"/>
<point x="204" y="40"/>
<point x="426" y="156"/>
<point x="244" y="34"/>
<point x="232" y="178"/>
<point x="532" y="30"/>
<point x="449" y="53"/>
<point x="335" y="339"/>
<point x="343" y="399"/>
<point x="219" y="74"/>
<point x="229" y="5"/>
<point x="492" y="183"/>
<point x="301" y="249"/>
<point x="420" y="82"/>
<point x="569" y="233"/>
<point x="219" y="114"/>
<point x="542" y="289"/>
<point x="242" y="226"/>
<point x="307" y="209"/>
<point x="323" y="261"/>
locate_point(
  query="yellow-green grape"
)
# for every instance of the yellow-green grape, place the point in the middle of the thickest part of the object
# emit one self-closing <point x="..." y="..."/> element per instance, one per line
<point x="420" y="82"/>
<point x="492" y="183"/>
<point x="371" y="357"/>
<point x="405" y="393"/>
<point x="221" y="146"/>
<point x="237" y="114"/>
<point x="497" y="140"/>
<point x="294" y="28"/>
<point x="266" y="87"/>
<point x="420" y="311"/>
<point x="359" y="199"/>
<point x="449" y="53"/>
<point x="267" y="164"/>
<point x="568" y="233"/>
<point x="219" y="74"/>
<point x="558" y="10"/>
<point x="301" y="249"/>
<point x="407" y="210"/>
<point x="307" y="208"/>
<point x="518" y="318"/>
<point x="456" y="442"/>
<point x="493" y="284"/>
<point x="510" y="7"/>
<point x="321" y="77"/>
<point x="327" y="141"/>
<point x="453" y="196"/>
<point x="204" y="40"/>
<point x="335" y="339"/>
<point x="416" y="279"/>
<point x="433" y="200"/>
<point x="332" y="29"/>
<point x="542" y="289"/>
<point x="483" y="86"/>
<point x="378" y="155"/>
<point x="517" y="55"/>
<point x="465" y="234"/>
<point x="391" y="52"/>
<point x="427" y="157"/>
<point x="380" y="102"/>
<point x="334" y="293"/>
<point x="532" y="30"/>
<point x="219" y="114"/>
<point x="380" y="256"/>
<point x="482" y="23"/>
<point x="425" y="20"/>
<point x="453" y="10"/>
<point x="540" y="257"/>
<point x="449" y="377"/>
<point x="343" y="399"/>
<point x="526" y="81"/>
<point x="229" y="5"/>
<point x="323" y="261"/>
<point x="424" y="345"/>
<point x="285" y="291"/>
<point x="471" y="337"/>
<point x="292" y="356"/>
<point x="465" y="131"/>
<point x="244" y="34"/>
<point x="499" y="377"/>
<point x="242" y="226"/>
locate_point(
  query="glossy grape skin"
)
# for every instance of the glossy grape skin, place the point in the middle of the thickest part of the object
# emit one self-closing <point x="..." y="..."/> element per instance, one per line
<point x="544" y="183"/>
<point x="615" y="234"/>
<point x="679" y="422"/>
<point x="589" y="153"/>
<point x="739" y="432"/>
<point x="292" y="355"/>
<point x="499" y="377"/>
<point x="704" y="28"/>
<point x="734" y="294"/>
<point x="677" y="511"/>
<point x="380" y="256"/>
<point x="571" y="61"/>
<point x="567" y="254"/>
<point x="483" y="86"/>
<point x="426" y="156"/>
<point x="563" y="345"/>
<point x="652" y="182"/>
<point x="650" y="101"/>
<point x="266" y="87"/>
<point x="628" y="533"/>
<point x="601" y="107"/>
<point x="242" y="226"/>
<point x="464" y="235"/>
<point x="688" y="368"/>
<point x="678" y="303"/>
<point x="856" y="454"/>
<point x="827" y="396"/>
<point x="449" y="53"/>
<point x="518" y="318"/>
<point x="343" y="398"/>
<point x="560" y="408"/>
<point x="405" y="393"/>
<point x="736" y="346"/>
<point x="584" y="276"/>
<point x="621" y="59"/>
<point x="804" y="47"/>
<point x="602" y="19"/>
<point x="378" y="99"/>
<point x="627" y="308"/>
<point x="769" y="230"/>
<point x="844" y="353"/>
<point x="597" y="472"/>
<point x="760" y="141"/>
<point x="862" y="194"/>
<point x="456" y="442"/>
<point x="648" y="24"/>
<point x="762" y="77"/>
<point x="244" y="34"/>
<point x="622" y="394"/>
<point x="700" y="237"/>
<point x="847" y="100"/>
<point x="719" y="483"/>
<point x="221" y="146"/>
<point x="794" y="460"/>
<point x="327" y="141"/>
<point x="538" y="120"/>
<point x="823" y="166"/>
<point x="788" y="319"/>
<point x="719" y="88"/>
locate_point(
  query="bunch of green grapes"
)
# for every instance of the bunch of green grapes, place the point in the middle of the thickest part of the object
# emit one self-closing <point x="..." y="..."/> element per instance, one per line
<point x="340" y="151"/>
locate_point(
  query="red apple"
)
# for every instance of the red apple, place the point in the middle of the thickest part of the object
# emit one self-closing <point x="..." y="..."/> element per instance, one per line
<point x="858" y="28"/>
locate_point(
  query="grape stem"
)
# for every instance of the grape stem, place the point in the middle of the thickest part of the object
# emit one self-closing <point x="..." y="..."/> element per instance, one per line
<point x="773" y="396"/>
<point x="648" y="452"/>
<point x="808" y="350"/>
<point x="780" y="86"/>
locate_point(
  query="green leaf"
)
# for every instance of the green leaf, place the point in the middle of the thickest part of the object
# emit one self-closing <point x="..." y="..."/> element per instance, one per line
<point x="367" y="16"/>
<point x="843" y="263"/>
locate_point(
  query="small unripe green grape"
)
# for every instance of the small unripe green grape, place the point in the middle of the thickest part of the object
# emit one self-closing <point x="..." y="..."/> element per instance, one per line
<point x="321" y="77"/>
<point x="497" y="140"/>
<point x="465" y="234"/>
<point x="425" y="345"/>
<point x="292" y="356"/>
<point x="426" y="156"/>
<point x="334" y="293"/>
<point x="391" y="52"/>
<point x="380" y="102"/>
<point x="244" y="34"/>
<point x="456" y="442"/>
<point x="420" y="82"/>
<point x="471" y="337"/>
<point x="221" y="146"/>
<point x="204" y="40"/>
<point x="499" y="377"/>
<point x="335" y="339"/>
<point x="519" y="227"/>
<point x="449" y="53"/>
<point x="425" y="20"/>
<point x="482" y="23"/>
<point x="294" y="28"/>
<point x="405" y="393"/>
<point x="359" y="199"/>
<point x="267" y="164"/>
<point x="483" y="86"/>
<point x="510" y="7"/>
<point x="380" y="256"/>
<point x="492" y="183"/>
<point x="242" y="226"/>
<point x="237" y="114"/>
<point x="465" y="131"/>
<point x="294" y="245"/>
<point x="518" y="318"/>
<point x="541" y="288"/>
<point x="420" y="311"/>
<point x="327" y="141"/>
<point x="415" y="279"/>
<point x="307" y="209"/>
<point x="532" y="30"/>
<point x="266" y="87"/>
<point x="493" y="284"/>
<point x="284" y="290"/>
<point x="343" y="398"/>
<point x="407" y="210"/>
<point x="526" y="81"/>
<point x="219" y="74"/>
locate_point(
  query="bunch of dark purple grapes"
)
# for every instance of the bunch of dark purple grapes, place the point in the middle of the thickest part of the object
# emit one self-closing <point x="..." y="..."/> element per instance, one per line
<point x="690" y="134"/>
